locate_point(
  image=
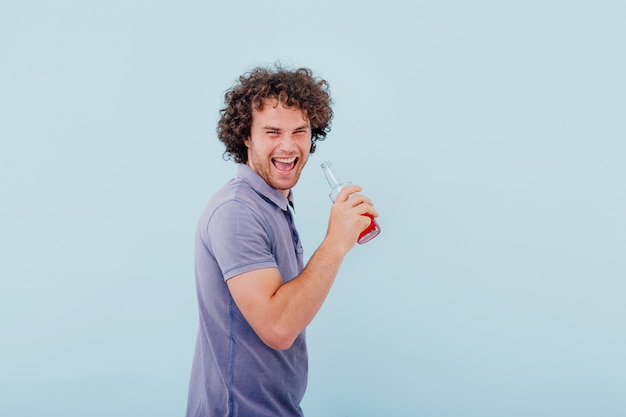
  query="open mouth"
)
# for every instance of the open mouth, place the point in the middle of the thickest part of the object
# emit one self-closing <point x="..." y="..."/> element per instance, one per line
<point x="284" y="164"/>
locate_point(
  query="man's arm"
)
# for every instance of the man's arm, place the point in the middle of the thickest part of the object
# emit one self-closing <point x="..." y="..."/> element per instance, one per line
<point x="279" y="312"/>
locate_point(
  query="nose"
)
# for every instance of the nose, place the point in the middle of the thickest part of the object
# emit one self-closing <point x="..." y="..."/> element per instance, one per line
<point x="287" y="142"/>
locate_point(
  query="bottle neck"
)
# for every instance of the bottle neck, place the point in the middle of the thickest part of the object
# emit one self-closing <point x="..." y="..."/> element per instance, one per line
<point x="333" y="180"/>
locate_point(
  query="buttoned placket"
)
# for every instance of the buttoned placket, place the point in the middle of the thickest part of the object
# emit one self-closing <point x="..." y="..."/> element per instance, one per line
<point x="294" y="233"/>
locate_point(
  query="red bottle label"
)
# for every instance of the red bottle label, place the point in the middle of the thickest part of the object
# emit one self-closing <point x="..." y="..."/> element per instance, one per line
<point x="370" y="232"/>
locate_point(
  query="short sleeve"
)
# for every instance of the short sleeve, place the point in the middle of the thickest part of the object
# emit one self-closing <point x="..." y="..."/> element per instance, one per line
<point x="239" y="239"/>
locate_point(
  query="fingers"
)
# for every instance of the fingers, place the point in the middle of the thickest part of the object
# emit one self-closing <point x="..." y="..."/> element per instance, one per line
<point x="350" y="215"/>
<point x="349" y="196"/>
<point x="347" y="191"/>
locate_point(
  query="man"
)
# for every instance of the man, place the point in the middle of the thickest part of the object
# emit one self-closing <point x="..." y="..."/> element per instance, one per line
<point x="255" y="295"/>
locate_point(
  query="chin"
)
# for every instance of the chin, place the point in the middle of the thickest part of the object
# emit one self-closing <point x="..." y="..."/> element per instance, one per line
<point x="285" y="184"/>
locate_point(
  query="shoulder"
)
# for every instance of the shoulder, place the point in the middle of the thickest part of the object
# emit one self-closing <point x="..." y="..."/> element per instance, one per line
<point x="232" y="200"/>
<point x="235" y="209"/>
<point x="235" y="231"/>
<point x="237" y="197"/>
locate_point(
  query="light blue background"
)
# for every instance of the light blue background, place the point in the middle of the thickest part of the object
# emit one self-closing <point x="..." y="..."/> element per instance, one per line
<point x="490" y="135"/>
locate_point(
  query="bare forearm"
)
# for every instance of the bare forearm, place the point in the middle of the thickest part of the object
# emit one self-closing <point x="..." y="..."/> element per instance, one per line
<point x="295" y="303"/>
<point x="304" y="295"/>
<point x="298" y="301"/>
<point x="279" y="312"/>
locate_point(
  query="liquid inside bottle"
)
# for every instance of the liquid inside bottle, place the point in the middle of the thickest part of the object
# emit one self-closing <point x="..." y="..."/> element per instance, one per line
<point x="371" y="231"/>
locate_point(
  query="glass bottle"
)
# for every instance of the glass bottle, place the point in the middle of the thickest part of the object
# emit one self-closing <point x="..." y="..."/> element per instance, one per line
<point x="371" y="231"/>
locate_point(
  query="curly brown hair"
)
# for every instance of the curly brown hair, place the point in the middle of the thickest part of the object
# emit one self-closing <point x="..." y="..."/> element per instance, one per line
<point x="299" y="88"/>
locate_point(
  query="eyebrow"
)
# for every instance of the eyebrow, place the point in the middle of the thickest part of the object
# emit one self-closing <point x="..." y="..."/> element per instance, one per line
<point x="279" y="129"/>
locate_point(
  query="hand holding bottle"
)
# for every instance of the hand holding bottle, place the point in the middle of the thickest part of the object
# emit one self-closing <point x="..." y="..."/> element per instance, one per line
<point x="351" y="215"/>
<point x="345" y="193"/>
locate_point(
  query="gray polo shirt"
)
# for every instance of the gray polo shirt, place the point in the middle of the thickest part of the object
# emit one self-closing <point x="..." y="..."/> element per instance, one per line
<point x="247" y="225"/>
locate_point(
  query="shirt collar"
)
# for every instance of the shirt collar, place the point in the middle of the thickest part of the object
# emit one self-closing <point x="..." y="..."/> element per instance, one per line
<point x="263" y="188"/>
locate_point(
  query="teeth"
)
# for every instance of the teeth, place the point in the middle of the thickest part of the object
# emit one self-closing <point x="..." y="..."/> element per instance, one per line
<point x="285" y="160"/>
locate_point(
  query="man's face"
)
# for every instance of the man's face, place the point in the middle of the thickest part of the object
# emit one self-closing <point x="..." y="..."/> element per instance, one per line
<point x="279" y="144"/>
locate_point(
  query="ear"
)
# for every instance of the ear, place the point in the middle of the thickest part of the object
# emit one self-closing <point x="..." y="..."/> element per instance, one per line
<point x="246" y="142"/>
